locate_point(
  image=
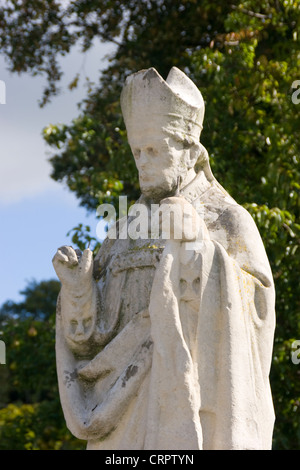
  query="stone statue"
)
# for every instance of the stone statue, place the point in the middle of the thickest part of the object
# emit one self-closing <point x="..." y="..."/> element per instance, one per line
<point x="166" y="343"/>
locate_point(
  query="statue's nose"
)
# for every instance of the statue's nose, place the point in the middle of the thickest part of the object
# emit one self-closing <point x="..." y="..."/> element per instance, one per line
<point x="143" y="160"/>
<point x="80" y="329"/>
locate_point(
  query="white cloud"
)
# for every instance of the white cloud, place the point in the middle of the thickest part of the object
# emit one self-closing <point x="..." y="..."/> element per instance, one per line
<point x="24" y="169"/>
<point x="24" y="166"/>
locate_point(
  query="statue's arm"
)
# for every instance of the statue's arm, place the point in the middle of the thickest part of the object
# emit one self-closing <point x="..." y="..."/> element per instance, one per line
<point x="242" y="241"/>
<point x="78" y="298"/>
<point x="245" y="244"/>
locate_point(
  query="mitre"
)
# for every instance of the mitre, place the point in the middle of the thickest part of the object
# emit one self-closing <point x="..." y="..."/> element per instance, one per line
<point x="149" y="103"/>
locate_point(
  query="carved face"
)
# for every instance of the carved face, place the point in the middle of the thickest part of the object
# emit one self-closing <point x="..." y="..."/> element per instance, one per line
<point x="160" y="160"/>
<point x="79" y="328"/>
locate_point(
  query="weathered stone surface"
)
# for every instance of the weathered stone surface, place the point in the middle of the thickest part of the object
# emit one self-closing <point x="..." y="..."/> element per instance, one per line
<point x="166" y="343"/>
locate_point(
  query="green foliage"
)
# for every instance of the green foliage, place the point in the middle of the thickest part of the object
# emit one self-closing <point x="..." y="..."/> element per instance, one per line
<point x="30" y="412"/>
<point x="244" y="56"/>
<point x="40" y="301"/>
<point x="35" y="427"/>
<point x="83" y="239"/>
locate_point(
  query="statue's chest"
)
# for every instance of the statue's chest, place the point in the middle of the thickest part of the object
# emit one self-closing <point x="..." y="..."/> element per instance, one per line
<point x="126" y="281"/>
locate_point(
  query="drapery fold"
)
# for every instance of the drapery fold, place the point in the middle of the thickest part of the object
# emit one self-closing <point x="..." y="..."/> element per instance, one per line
<point x="224" y="395"/>
<point x="180" y="374"/>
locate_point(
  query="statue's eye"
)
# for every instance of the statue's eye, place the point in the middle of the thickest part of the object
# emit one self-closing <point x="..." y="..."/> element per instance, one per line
<point x="196" y="285"/>
<point x="151" y="151"/>
<point x="87" y="322"/>
<point x="73" y="326"/>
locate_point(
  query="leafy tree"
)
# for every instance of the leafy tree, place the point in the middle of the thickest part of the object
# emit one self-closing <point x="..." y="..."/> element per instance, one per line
<point x="244" y="56"/>
<point x="30" y="411"/>
<point x="39" y="304"/>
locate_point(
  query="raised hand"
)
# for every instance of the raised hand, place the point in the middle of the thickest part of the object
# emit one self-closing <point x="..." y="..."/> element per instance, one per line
<point x="73" y="268"/>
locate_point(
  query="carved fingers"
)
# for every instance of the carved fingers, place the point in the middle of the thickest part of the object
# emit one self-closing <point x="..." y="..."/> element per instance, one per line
<point x="67" y="255"/>
<point x="72" y="267"/>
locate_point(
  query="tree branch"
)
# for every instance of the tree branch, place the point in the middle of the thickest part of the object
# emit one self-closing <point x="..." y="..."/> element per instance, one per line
<point x="250" y="13"/>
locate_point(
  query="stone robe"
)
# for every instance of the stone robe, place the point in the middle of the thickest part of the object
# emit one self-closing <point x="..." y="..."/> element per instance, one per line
<point x="183" y="340"/>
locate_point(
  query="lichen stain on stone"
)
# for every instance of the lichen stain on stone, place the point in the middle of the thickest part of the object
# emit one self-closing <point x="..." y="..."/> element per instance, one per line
<point x="130" y="372"/>
<point x="150" y="74"/>
<point x="147" y="344"/>
<point x="70" y="377"/>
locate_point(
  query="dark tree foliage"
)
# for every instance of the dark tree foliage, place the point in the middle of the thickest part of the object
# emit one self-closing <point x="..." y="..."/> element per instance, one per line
<point x="30" y="411"/>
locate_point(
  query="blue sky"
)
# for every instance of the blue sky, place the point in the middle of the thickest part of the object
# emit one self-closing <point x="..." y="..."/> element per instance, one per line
<point x="35" y="212"/>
